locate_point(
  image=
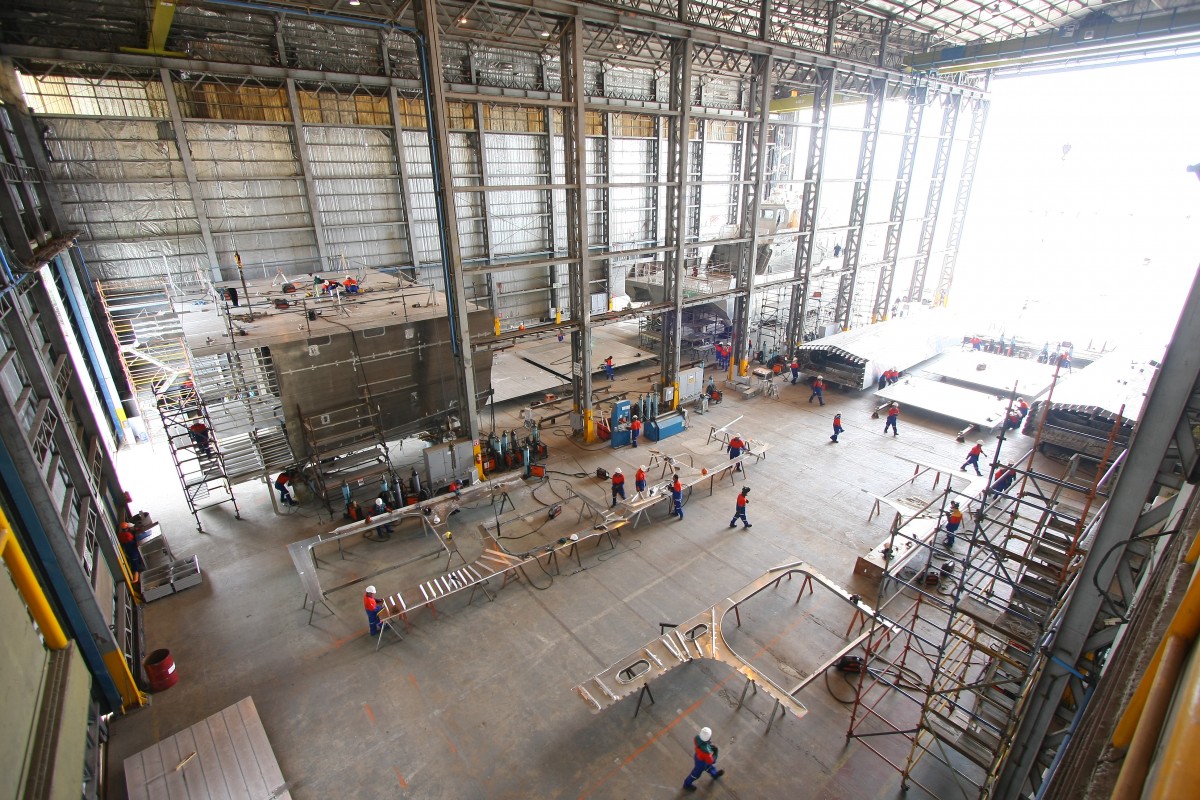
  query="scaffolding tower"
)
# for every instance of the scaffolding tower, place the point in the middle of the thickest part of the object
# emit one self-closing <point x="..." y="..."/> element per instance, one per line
<point x="197" y="457"/>
<point x="346" y="450"/>
<point x="961" y="627"/>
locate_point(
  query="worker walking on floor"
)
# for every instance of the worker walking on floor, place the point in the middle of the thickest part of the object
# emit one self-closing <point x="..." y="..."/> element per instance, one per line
<point x="736" y="446"/>
<point x="372" y="607"/>
<point x="705" y="757"/>
<point x="893" y="415"/>
<point x="677" y="496"/>
<point x="635" y="429"/>
<point x="608" y="369"/>
<point x="954" y="520"/>
<point x="618" y="486"/>
<point x="795" y="369"/>
<point x="837" y="428"/>
<point x="639" y="480"/>
<point x="743" y="500"/>
<point x="818" y="389"/>
<point x="973" y="458"/>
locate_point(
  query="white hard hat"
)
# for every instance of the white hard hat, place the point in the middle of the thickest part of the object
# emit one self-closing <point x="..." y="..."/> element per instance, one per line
<point x="370" y="590"/>
<point x="617" y="471"/>
<point x="705" y="734"/>
<point x="642" y="467"/>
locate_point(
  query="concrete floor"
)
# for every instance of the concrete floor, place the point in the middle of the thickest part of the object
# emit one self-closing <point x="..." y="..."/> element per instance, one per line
<point x="478" y="703"/>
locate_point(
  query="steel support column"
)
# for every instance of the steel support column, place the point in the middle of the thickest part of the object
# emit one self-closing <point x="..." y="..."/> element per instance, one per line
<point x="1164" y="431"/>
<point x="872" y="119"/>
<point x="933" y="202"/>
<point x="575" y="158"/>
<point x="962" y="199"/>
<point x="678" y="178"/>
<point x="189" y="170"/>
<point x="814" y="170"/>
<point x="314" y="208"/>
<point x="754" y="166"/>
<point x="430" y="44"/>
<point x="904" y="170"/>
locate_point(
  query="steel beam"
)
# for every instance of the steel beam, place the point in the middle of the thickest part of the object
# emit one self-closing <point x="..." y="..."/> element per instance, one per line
<point x="430" y="44"/>
<point x="933" y="202"/>
<point x="1167" y="403"/>
<point x="754" y="170"/>
<point x="872" y="120"/>
<point x="310" y="190"/>
<point x="189" y="170"/>
<point x="962" y="199"/>
<point x="814" y="171"/>
<point x="571" y="57"/>
<point x="904" y="171"/>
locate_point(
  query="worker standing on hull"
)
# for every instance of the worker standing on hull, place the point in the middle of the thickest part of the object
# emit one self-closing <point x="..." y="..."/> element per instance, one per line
<point x="372" y="607"/>
<point x="736" y="446"/>
<point x="893" y="416"/>
<point x="618" y="486"/>
<point x="639" y="480"/>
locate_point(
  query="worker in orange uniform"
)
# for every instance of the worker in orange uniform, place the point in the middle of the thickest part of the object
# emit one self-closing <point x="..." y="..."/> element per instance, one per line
<point x="795" y="365"/>
<point x="973" y="458"/>
<point x="608" y="368"/>
<point x="639" y="480"/>
<point x="818" y="389"/>
<point x="373" y="607"/>
<point x="954" y="520"/>
<point x="618" y="486"/>
<point x="740" y="512"/>
<point x="677" y="496"/>
<point x="837" y="428"/>
<point x="736" y="446"/>
<point x="635" y="429"/>
<point x="893" y="416"/>
<point x="1023" y="407"/>
<point x="350" y="284"/>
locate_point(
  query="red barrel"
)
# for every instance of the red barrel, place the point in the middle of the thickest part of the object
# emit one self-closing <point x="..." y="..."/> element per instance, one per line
<point x="160" y="669"/>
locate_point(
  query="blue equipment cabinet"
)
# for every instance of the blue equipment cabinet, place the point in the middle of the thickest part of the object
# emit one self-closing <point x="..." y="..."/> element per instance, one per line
<point x="617" y="436"/>
<point x="666" y="425"/>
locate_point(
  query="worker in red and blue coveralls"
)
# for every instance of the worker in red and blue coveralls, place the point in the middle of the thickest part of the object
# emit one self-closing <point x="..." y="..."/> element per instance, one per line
<point x="281" y="485"/>
<point x="618" y="486"/>
<point x="973" y="458"/>
<point x="954" y="520"/>
<point x="705" y="757"/>
<point x="1004" y="479"/>
<point x="372" y="607"/>
<point x="818" y="389"/>
<point x="893" y="416"/>
<point x="677" y="496"/>
<point x="639" y="480"/>
<point x="198" y="431"/>
<point x="1012" y="420"/>
<point x="736" y="446"/>
<point x="795" y="368"/>
<point x="740" y="511"/>
<point x="608" y="368"/>
<point x="635" y="430"/>
<point x="837" y="428"/>
<point x="1023" y="407"/>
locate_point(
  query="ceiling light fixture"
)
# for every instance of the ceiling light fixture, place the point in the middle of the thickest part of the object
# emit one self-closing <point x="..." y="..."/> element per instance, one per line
<point x="544" y="34"/>
<point x="355" y="2"/>
<point x="462" y="20"/>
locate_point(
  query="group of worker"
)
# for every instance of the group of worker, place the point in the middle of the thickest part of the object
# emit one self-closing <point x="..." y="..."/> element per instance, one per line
<point x="332" y="286"/>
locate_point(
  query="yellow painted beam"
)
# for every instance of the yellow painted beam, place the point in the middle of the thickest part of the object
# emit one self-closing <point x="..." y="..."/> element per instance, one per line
<point x="1185" y="624"/>
<point x="118" y="668"/>
<point x="160" y="28"/>
<point x="28" y="586"/>
<point x="1178" y="770"/>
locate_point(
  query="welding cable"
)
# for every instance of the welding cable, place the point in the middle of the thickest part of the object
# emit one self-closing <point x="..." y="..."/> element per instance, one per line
<point x="846" y="678"/>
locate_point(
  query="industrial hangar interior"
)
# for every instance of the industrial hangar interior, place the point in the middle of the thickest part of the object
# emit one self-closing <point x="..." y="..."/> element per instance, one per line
<point x="373" y="370"/>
